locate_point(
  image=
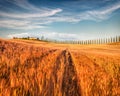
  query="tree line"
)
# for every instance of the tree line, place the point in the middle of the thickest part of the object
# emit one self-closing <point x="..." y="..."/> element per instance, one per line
<point x="95" y="41"/>
<point x="82" y="42"/>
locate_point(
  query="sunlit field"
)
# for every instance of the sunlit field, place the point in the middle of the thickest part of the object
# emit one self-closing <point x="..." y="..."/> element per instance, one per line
<point x="36" y="68"/>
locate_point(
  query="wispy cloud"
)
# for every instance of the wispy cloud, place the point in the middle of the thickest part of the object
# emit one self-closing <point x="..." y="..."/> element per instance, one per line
<point x="40" y="14"/>
<point x="104" y="13"/>
<point x="18" y="24"/>
<point x="94" y="15"/>
<point x="24" y="4"/>
<point x="33" y="18"/>
<point x="37" y="17"/>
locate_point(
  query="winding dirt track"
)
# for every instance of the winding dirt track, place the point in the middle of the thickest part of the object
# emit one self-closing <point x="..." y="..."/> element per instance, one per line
<point x="69" y="79"/>
<point x="31" y="68"/>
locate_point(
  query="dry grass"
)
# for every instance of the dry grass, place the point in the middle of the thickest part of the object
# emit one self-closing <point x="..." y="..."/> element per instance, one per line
<point x="32" y="68"/>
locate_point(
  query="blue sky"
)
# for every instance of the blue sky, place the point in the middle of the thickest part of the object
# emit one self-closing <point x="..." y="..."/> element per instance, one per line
<point x="60" y="19"/>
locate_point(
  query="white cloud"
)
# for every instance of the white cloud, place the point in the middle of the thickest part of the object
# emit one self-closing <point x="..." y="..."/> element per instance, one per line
<point x="18" y="24"/>
<point x="34" y="18"/>
<point x="103" y="13"/>
<point x="43" y="13"/>
<point x="48" y="35"/>
<point x="24" y="4"/>
<point x="18" y="35"/>
<point x="37" y="17"/>
<point x="60" y="36"/>
<point x="94" y="15"/>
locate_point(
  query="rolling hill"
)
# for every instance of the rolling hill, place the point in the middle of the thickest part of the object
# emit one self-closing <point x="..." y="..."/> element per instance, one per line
<point x="34" y="68"/>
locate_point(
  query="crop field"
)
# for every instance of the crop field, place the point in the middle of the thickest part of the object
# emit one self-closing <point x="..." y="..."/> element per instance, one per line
<point x="36" y="68"/>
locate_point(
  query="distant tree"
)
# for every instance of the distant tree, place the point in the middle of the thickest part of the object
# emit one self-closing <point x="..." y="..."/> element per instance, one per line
<point x="103" y="41"/>
<point x="14" y="37"/>
<point x="92" y="41"/>
<point x="37" y="38"/>
<point x="106" y="40"/>
<point x="28" y="37"/>
<point x="119" y="39"/>
<point x="79" y="42"/>
<point x="111" y="40"/>
<point x="98" y="41"/>
<point x="42" y="38"/>
<point x="88" y="41"/>
<point x="85" y="42"/>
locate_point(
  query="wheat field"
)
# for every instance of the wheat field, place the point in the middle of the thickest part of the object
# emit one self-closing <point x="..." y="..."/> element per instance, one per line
<point x="36" y="68"/>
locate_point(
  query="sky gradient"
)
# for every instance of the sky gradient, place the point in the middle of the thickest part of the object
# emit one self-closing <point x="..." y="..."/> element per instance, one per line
<point x="60" y="19"/>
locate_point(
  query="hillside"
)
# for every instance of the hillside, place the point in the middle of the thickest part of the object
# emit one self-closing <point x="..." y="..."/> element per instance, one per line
<point x="34" y="68"/>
